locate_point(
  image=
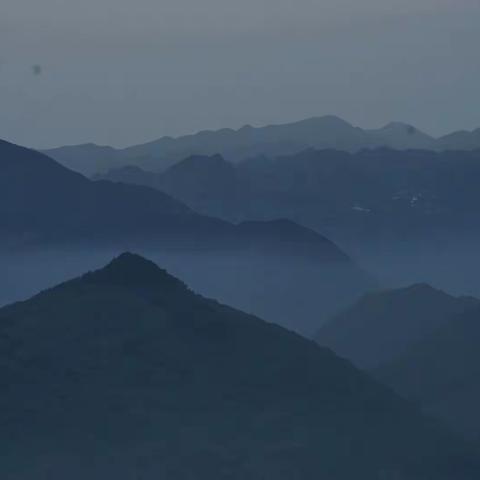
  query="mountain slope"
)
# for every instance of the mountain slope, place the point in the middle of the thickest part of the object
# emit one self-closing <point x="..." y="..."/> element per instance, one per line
<point x="381" y="326"/>
<point x="86" y="158"/>
<point x="442" y="372"/>
<point x="42" y="200"/>
<point x="125" y="373"/>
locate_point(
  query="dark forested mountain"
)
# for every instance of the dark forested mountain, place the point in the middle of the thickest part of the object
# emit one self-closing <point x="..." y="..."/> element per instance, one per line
<point x="43" y="205"/>
<point x="126" y="373"/>
<point x="442" y="372"/>
<point x="327" y="132"/>
<point x="381" y="326"/>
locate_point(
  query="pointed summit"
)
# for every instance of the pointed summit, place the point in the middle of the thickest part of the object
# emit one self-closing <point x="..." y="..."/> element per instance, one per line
<point x="144" y="369"/>
<point x="129" y="269"/>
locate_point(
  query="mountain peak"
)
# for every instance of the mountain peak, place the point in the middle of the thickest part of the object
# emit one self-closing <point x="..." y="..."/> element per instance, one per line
<point x="130" y="269"/>
<point x="330" y="120"/>
<point x="100" y="368"/>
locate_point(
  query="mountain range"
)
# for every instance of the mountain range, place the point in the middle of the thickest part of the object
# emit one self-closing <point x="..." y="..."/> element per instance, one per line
<point x="62" y="204"/>
<point x="372" y="195"/>
<point x="126" y="373"/>
<point x="44" y="207"/>
<point x="328" y="132"/>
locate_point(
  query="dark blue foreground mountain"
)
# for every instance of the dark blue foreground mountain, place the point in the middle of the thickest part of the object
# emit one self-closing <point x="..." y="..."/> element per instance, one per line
<point x="125" y="373"/>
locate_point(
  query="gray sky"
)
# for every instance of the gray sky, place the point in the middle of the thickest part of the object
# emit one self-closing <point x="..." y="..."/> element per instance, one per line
<point x="121" y="72"/>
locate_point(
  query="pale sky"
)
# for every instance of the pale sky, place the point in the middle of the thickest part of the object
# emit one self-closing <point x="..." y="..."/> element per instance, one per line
<point x="121" y="72"/>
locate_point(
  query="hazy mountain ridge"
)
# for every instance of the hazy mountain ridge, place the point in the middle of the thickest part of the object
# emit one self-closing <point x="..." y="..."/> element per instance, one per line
<point x="370" y="193"/>
<point x="405" y="215"/>
<point x="328" y="132"/>
<point x="381" y="326"/>
<point x="127" y="361"/>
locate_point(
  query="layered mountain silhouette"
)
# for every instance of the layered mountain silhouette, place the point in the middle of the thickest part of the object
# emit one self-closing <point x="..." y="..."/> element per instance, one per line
<point x="126" y="373"/>
<point x="372" y="195"/>
<point x="46" y="207"/>
<point x="42" y="201"/>
<point x="328" y="132"/>
<point x="401" y="136"/>
<point x="442" y="372"/>
<point x="380" y="327"/>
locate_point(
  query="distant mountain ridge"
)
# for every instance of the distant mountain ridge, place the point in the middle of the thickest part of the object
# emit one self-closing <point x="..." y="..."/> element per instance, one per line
<point x="126" y="373"/>
<point x="327" y="132"/>
<point x="376" y="195"/>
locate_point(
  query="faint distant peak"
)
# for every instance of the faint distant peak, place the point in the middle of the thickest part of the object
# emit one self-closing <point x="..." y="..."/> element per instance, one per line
<point x="331" y="120"/>
<point x="89" y="146"/>
<point x="405" y="127"/>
